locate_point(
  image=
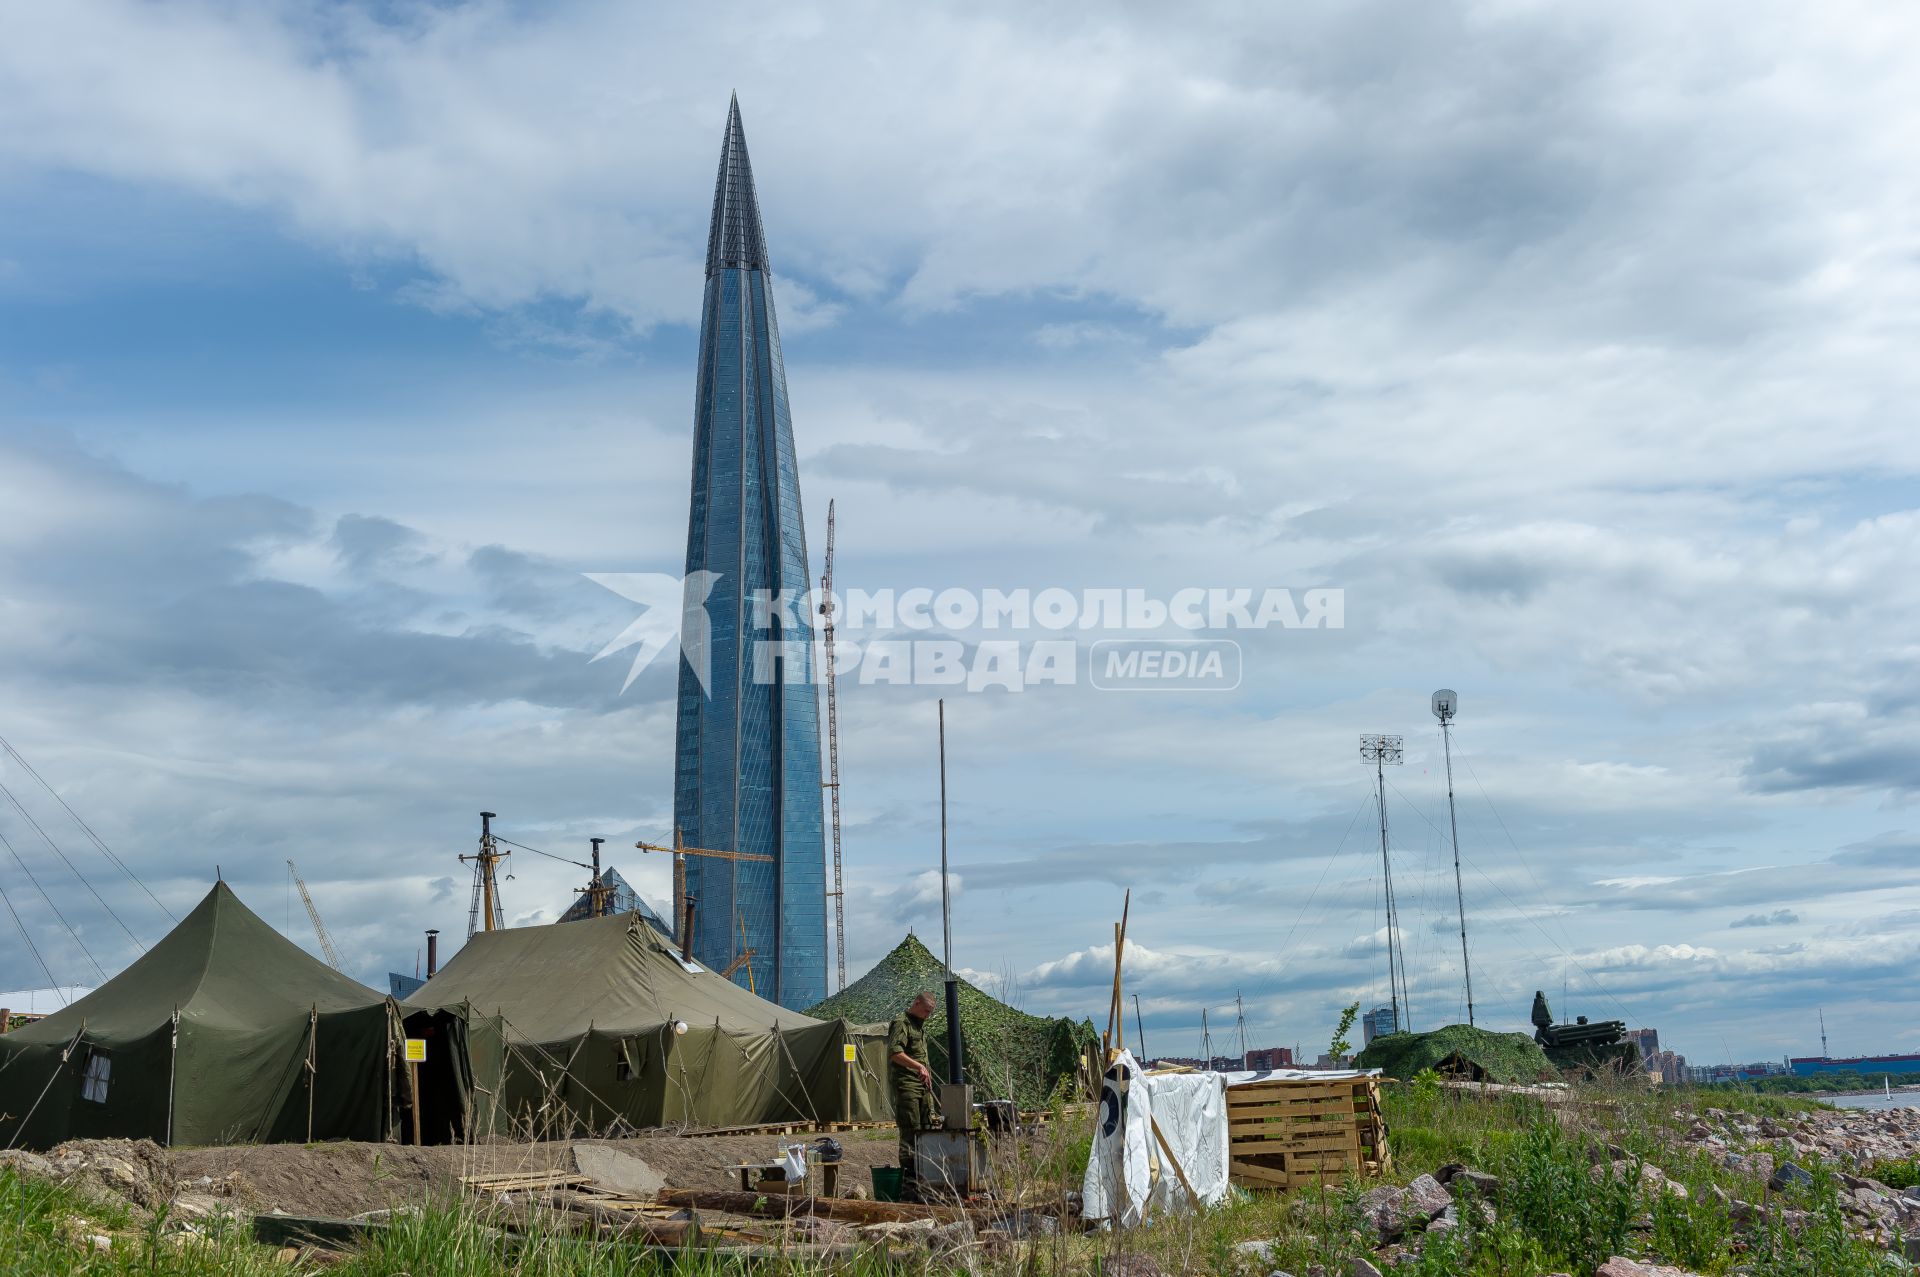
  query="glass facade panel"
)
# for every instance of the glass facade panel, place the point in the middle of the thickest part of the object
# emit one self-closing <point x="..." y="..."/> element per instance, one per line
<point x="747" y="756"/>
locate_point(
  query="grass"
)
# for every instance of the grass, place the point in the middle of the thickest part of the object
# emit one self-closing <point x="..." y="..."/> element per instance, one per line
<point x="1571" y="1192"/>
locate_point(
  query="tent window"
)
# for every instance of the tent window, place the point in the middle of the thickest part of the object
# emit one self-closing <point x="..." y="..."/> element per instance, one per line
<point x="93" y="1081"/>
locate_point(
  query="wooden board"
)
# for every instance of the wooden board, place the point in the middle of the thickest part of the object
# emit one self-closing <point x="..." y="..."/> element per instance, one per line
<point x="1284" y="1133"/>
<point x="523" y="1181"/>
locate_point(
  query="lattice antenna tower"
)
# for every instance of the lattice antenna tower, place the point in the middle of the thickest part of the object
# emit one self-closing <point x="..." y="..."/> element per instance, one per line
<point x="484" y="913"/>
<point x="832" y="784"/>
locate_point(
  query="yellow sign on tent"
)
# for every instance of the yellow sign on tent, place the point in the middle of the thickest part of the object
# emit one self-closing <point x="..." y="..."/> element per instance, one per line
<point x="416" y="1050"/>
<point x="846" y="1052"/>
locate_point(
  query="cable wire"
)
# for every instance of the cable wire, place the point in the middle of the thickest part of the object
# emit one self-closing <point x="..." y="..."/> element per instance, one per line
<point x="56" y="908"/>
<point x="75" y="869"/>
<point x="520" y="846"/>
<point x="32" y="948"/>
<point x="98" y="841"/>
<point x="1544" y="934"/>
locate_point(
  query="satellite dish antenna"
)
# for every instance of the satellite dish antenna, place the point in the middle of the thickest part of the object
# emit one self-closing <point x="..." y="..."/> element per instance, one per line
<point x="1445" y="704"/>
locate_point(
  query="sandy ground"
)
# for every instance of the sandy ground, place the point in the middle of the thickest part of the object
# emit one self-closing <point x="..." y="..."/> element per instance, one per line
<point x="344" y="1179"/>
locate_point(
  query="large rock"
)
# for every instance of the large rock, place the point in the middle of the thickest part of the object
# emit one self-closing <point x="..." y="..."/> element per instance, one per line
<point x="1622" y="1267"/>
<point x="1255" y="1252"/>
<point x="1787" y="1176"/>
<point x="1394" y="1211"/>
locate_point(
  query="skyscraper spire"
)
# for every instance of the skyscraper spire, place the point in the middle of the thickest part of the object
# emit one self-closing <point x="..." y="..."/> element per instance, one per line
<point x="736" y="238"/>
<point x="747" y="757"/>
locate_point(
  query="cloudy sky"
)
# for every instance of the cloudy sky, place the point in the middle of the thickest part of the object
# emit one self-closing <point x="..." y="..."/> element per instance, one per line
<point x="1573" y="343"/>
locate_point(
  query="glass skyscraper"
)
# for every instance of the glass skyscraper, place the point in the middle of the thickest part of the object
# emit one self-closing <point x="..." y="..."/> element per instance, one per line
<point x="747" y="762"/>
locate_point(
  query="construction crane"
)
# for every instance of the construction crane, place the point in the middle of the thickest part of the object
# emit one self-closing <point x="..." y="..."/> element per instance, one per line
<point x="746" y="956"/>
<point x="486" y="889"/>
<point x="682" y="921"/>
<point x="319" y="927"/>
<point x="832" y="784"/>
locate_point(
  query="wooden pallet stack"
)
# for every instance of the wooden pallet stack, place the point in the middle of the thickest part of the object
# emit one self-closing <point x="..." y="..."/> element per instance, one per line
<point x="1284" y="1133"/>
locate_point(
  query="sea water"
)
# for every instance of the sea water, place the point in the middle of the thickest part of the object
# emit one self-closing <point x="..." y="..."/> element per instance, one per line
<point x="1898" y="1100"/>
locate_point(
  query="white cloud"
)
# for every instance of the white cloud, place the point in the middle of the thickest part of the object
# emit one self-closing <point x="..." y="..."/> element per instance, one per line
<point x="1574" y="345"/>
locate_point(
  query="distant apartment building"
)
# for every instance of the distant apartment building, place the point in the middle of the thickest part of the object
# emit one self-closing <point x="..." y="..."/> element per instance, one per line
<point x="1376" y="1022"/>
<point x="1648" y="1040"/>
<point x="1667" y="1068"/>
<point x="1270" y="1057"/>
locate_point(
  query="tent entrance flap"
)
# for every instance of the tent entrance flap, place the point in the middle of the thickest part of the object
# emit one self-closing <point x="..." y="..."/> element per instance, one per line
<point x="444" y="1079"/>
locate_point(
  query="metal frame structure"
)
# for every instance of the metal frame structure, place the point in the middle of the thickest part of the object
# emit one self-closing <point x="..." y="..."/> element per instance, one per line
<point x="1381" y="750"/>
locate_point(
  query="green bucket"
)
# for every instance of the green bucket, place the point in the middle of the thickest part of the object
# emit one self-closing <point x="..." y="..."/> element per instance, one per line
<point x="886" y="1183"/>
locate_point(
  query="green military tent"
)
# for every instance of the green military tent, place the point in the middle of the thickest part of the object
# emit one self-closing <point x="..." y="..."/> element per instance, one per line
<point x="1008" y="1053"/>
<point x="224" y="1032"/>
<point x="600" y="1024"/>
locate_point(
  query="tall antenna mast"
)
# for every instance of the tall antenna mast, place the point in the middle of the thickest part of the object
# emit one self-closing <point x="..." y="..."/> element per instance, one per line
<point x="484" y="914"/>
<point x="1445" y="706"/>
<point x="1206" y="1043"/>
<point x="956" y="1040"/>
<point x="839" y="892"/>
<point x="1240" y="1024"/>
<point x="1823" y="1028"/>
<point x="946" y="905"/>
<point x="597" y="890"/>
<point x="1381" y="750"/>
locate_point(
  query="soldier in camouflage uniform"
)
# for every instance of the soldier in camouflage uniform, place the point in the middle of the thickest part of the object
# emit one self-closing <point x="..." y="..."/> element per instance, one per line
<point x="911" y="1082"/>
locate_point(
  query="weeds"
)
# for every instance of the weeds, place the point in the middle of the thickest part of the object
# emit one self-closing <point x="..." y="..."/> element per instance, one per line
<point x="1820" y="1245"/>
<point x="1570" y="1193"/>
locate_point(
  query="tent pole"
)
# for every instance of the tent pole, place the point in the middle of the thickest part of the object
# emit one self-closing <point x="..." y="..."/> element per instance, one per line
<point x="413" y="1098"/>
<point x="313" y="1042"/>
<point x="173" y="1056"/>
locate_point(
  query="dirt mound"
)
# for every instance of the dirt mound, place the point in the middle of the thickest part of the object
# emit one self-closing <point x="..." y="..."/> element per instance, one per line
<point x="137" y="1172"/>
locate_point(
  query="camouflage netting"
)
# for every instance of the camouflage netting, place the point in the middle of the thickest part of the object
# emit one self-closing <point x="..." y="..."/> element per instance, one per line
<point x="1009" y="1054"/>
<point x="1459" y="1050"/>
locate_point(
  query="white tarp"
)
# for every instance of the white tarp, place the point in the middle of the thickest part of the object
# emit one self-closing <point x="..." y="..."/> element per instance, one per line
<point x="1129" y="1176"/>
<point x="1237" y="1078"/>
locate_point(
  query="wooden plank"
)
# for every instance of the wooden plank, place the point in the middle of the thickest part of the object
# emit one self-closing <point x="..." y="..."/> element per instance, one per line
<point x="1172" y="1160"/>
<point x="1281" y="1086"/>
<point x="1282" y="1097"/>
<point x="1285" y="1147"/>
<point x="1309" y="1157"/>
<point x="1281" y="1137"/>
<point x="1252" y="1096"/>
<point x="1304" y="1104"/>
<point x="516" y="1183"/>
<point x="1285" y="1130"/>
